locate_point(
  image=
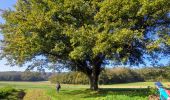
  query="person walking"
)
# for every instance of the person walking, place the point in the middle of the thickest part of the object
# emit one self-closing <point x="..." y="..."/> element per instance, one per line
<point x="58" y="86"/>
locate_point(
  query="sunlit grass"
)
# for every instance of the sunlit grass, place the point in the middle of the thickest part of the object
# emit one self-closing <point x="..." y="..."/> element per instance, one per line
<point x="46" y="91"/>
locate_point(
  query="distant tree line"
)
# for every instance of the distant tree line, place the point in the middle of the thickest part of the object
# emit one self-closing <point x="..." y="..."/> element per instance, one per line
<point x="115" y="75"/>
<point x="23" y="76"/>
<point x="69" y="78"/>
<point x="108" y="76"/>
<point x="155" y="74"/>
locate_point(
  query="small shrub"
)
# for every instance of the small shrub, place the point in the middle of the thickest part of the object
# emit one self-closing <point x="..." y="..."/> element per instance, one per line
<point x="152" y="91"/>
<point x="10" y="93"/>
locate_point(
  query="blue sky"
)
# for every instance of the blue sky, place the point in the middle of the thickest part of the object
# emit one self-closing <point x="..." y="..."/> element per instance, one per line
<point x="6" y="4"/>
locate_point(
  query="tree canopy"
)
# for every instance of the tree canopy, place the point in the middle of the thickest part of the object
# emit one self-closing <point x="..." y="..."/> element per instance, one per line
<point x="83" y="34"/>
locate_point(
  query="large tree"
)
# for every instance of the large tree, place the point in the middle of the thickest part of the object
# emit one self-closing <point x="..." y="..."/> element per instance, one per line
<point x="83" y="34"/>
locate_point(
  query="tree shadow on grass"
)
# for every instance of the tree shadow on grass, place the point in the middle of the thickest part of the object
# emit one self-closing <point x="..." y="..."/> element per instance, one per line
<point x="103" y="92"/>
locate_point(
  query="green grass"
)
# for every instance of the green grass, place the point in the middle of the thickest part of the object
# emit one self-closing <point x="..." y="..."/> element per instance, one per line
<point x="103" y="94"/>
<point x="46" y="84"/>
<point x="26" y="85"/>
<point x="47" y="91"/>
<point x="134" y="85"/>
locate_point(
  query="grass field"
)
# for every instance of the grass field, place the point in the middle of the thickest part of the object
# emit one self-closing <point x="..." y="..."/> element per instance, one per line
<point x="46" y="91"/>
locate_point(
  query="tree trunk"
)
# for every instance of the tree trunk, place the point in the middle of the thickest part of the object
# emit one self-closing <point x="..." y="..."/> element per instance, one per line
<point x="93" y="78"/>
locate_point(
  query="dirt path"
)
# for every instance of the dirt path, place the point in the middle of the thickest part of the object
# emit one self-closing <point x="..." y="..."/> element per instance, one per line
<point x="36" y="95"/>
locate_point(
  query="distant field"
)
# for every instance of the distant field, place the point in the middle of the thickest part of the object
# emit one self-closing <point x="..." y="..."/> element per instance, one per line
<point x="47" y="84"/>
<point x="46" y="91"/>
